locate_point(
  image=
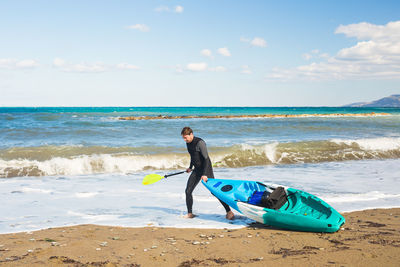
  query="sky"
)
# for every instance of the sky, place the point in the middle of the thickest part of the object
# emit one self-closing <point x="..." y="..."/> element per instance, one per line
<point x="198" y="53"/>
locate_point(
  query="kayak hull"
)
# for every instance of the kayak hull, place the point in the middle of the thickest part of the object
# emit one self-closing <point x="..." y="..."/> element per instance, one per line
<point x="301" y="212"/>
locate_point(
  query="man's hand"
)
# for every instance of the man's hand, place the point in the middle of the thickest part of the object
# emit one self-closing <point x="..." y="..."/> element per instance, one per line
<point x="204" y="178"/>
<point x="188" y="170"/>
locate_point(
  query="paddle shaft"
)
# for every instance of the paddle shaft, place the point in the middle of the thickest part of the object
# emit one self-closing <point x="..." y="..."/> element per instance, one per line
<point x="270" y="187"/>
<point x="168" y="175"/>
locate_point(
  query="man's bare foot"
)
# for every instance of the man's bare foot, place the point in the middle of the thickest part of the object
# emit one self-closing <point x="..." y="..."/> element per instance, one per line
<point x="189" y="216"/>
<point x="230" y="215"/>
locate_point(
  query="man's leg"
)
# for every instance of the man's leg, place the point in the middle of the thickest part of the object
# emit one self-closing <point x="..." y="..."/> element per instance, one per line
<point x="229" y="214"/>
<point x="192" y="182"/>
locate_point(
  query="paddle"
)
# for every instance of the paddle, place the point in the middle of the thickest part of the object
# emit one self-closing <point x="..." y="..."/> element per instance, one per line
<point x="153" y="178"/>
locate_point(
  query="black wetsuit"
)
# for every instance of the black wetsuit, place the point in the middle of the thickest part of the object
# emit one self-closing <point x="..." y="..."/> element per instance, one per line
<point x="201" y="162"/>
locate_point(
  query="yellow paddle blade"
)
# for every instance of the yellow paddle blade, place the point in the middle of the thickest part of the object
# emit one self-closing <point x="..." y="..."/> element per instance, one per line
<point x="151" y="179"/>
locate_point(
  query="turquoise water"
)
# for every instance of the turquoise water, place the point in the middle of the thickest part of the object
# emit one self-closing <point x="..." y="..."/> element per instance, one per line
<point x="68" y="166"/>
<point x="84" y="140"/>
<point x="141" y="111"/>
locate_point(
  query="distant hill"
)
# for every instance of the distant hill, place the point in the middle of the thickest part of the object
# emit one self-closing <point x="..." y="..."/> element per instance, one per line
<point x="392" y="101"/>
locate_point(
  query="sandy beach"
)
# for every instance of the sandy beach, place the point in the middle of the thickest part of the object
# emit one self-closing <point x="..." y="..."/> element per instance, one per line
<point x="369" y="238"/>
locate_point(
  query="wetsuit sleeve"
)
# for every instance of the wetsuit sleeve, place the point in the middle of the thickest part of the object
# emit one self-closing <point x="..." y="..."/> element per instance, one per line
<point x="203" y="150"/>
<point x="191" y="163"/>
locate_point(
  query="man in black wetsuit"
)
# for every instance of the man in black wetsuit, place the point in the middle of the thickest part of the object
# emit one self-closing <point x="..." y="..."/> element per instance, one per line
<point x="201" y="162"/>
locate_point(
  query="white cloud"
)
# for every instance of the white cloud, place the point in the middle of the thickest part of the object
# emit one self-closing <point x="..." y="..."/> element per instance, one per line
<point x="324" y="55"/>
<point x="307" y="56"/>
<point x="126" y="66"/>
<point x="7" y="63"/>
<point x="10" y="63"/>
<point x="246" y="69"/>
<point x="368" y="31"/>
<point x="260" y="42"/>
<point x="224" y="51"/>
<point x="179" y="9"/>
<point x="218" y="69"/>
<point x="85" y="67"/>
<point x="206" y="52"/>
<point x="58" y="62"/>
<point x="177" y="68"/>
<point x="375" y="56"/>
<point x="162" y="9"/>
<point x="256" y="41"/>
<point x="202" y="66"/>
<point x="140" y="27"/>
<point x="196" y="67"/>
<point x="176" y="9"/>
<point x="314" y="54"/>
<point x="27" y="63"/>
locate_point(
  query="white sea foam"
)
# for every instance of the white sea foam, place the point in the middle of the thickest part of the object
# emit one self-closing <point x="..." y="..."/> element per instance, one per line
<point x="35" y="190"/>
<point x="368" y="196"/>
<point x="380" y="144"/>
<point x="90" y="164"/>
<point x="122" y="200"/>
<point x="233" y="156"/>
<point x="86" y="194"/>
<point x="270" y="151"/>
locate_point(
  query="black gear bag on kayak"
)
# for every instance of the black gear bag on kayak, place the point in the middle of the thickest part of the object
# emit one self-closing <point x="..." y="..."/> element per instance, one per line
<point x="274" y="200"/>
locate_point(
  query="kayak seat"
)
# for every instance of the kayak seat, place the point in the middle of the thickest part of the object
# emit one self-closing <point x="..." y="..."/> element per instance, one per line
<point x="292" y="203"/>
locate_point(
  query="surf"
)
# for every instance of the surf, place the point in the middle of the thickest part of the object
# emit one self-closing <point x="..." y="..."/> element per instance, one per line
<point x="83" y="160"/>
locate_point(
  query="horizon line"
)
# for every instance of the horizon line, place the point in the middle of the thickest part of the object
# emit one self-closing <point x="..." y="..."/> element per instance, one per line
<point x="187" y="107"/>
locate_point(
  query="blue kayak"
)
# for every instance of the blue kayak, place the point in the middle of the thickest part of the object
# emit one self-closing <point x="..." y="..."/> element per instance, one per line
<point x="281" y="207"/>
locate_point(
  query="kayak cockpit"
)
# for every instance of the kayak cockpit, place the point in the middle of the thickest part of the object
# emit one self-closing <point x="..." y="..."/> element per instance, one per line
<point x="291" y="201"/>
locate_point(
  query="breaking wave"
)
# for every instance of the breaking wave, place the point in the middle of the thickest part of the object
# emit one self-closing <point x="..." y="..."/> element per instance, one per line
<point x="80" y="160"/>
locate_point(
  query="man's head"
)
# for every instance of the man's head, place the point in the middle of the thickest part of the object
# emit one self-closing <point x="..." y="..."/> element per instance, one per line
<point x="187" y="134"/>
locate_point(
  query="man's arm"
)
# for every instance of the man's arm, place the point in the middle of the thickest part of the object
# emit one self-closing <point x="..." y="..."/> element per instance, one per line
<point x="191" y="166"/>
<point x="203" y="150"/>
<point x="191" y="163"/>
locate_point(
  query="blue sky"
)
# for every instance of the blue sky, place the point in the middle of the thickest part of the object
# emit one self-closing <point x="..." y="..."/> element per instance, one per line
<point x="198" y="53"/>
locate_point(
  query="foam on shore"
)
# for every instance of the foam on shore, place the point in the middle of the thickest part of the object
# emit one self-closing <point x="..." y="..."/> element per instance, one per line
<point x="31" y="203"/>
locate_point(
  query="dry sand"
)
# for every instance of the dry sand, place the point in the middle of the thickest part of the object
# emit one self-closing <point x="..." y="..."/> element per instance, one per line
<point x="369" y="238"/>
<point x="162" y="117"/>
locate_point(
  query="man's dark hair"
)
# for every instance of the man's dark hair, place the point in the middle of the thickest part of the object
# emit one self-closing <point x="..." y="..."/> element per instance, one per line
<point x="186" y="131"/>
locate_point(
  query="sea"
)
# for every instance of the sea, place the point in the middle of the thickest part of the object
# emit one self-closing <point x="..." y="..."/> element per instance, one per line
<point x="63" y="166"/>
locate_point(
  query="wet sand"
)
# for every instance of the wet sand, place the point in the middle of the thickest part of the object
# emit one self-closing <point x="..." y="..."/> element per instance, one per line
<point x="369" y="238"/>
<point x="162" y="117"/>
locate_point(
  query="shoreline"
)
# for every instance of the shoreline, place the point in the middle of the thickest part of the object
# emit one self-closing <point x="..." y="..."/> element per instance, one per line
<point x="151" y="225"/>
<point x="163" y="117"/>
<point x="369" y="237"/>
